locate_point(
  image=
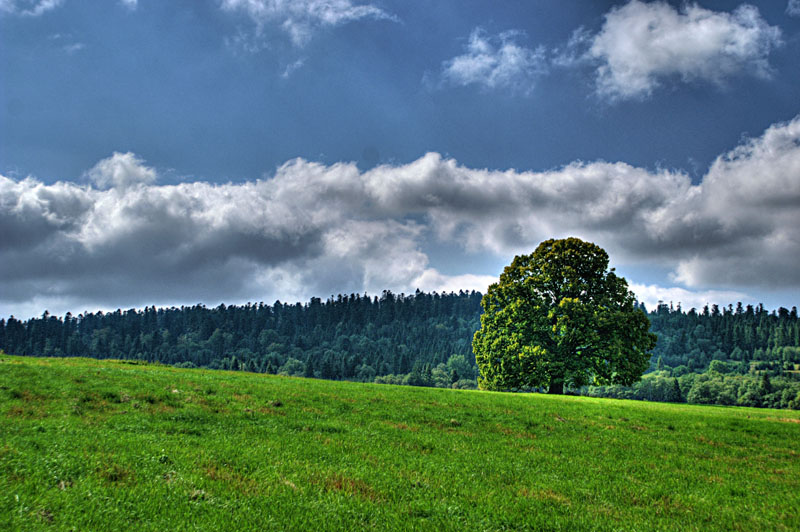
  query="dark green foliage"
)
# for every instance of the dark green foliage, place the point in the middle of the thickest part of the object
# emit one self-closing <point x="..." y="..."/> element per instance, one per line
<point x="348" y="337"/>
<point x="710" y="388"/>
<point x="560" y="317"/>
<point x="737" y="336"/>
<point x="743" y="356"/>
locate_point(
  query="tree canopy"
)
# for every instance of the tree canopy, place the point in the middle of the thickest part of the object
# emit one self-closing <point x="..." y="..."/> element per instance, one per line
<point x="560" y="317"/>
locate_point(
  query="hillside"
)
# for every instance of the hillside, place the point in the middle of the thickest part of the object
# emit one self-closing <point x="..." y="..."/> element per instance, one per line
<point x="109" y="445"/>
<point x="714" y="356"/>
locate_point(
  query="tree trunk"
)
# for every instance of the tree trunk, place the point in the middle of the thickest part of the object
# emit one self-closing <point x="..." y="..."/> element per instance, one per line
<point x="556" y="387"/>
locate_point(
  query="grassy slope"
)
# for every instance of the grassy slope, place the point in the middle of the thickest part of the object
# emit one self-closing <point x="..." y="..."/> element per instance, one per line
<point x="101" y="445"/>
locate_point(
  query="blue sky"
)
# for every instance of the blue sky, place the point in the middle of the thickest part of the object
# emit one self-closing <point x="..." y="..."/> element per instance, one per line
<point x="215" y="151"/>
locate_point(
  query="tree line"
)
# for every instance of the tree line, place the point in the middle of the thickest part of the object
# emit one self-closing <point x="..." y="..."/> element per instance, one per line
<point x="354" y="336"/>
<point x="741" y="336"/>
<point x="715" y="355"/>
<point x="742" y="355"/>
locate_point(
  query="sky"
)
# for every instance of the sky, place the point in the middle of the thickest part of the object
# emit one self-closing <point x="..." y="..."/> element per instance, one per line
<point x="230" y="151"/>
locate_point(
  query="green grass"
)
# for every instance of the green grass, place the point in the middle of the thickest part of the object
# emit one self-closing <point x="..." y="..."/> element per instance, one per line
<point x="104" y="445"/>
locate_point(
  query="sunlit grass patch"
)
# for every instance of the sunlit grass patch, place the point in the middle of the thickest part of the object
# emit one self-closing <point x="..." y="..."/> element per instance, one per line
<point x="104" y="445"/>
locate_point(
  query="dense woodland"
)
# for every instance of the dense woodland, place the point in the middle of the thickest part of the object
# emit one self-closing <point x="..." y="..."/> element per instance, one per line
<point x="732" y="355"/>
<point x="741" y="355"/>
<point x="353" y="337"/>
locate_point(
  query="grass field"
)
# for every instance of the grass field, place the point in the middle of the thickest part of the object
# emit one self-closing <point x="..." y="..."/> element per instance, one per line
<point x="104" y="445"/>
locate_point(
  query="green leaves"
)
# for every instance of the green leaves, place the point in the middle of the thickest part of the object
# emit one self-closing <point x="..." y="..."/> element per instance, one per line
<point x="560" y="316"/>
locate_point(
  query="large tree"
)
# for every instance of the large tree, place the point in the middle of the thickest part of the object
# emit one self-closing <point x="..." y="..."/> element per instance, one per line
<point x="560" y="317"/>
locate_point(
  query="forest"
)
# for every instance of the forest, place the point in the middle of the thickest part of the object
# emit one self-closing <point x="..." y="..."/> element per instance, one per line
<point x="742" y="355"/>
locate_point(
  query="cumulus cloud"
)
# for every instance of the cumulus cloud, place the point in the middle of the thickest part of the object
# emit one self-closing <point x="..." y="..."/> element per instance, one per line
<point x="642" y="44"/>
<point x="314" y="229"/>
<point x="793" y="8"/>
<point x="133" y="242"/>
<point x="121" y="170"/>
<point x="754" y="193"/>
<point x="496" y="62"/>
<point x="29" y="8"/>
<point x="300" y="18"/>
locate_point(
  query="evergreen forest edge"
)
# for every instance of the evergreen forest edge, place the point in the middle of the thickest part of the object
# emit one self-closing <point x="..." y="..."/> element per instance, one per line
<point x="742" y="355"/>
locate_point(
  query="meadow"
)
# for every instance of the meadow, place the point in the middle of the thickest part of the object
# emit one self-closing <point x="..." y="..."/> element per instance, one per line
<point x="109" y="445"/>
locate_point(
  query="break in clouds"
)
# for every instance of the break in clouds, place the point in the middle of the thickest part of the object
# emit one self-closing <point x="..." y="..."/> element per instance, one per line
<point x="311" y="229"/>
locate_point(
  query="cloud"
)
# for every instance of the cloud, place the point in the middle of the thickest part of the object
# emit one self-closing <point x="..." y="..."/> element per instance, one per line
<point x="292" y="67"/>
<point x="314" y="229"/>
<point x="754" y="193"/>
<point x="130" y="4"/>
<point x="793" y="8"/>
<point x="431" y="280"/>
<point x="29" y="8"/>
<point x="66" y="42"/>
<point x="121" y="170"/>
<point x="301" y="18"/>
<point x="496" y="62"/>
<point x="643" y="44"/>
<point x="651" y="295"/>
<point x="74" y="47"/>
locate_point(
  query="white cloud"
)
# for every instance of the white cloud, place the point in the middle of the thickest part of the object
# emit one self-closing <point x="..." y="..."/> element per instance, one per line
<point x="507" y="212"/>
<point x="431" y="280"/>
<point x="244" y="41"/>
<point x="66" y="42"/>
<point x="130" y="4"/>
<point x="642" y="44"/>
<point x="300" y="18"/>
<point x="496" y="62"/>
<point x="313" y="229"/>
<point x="753" y="194"/>
<point x="793" y="8"/>
<point x="651" y="295"/>
<point x="292" y="67"/>
<point x="121" y="170"/>
<point x="29" y="8"/>
<point x="74" y="47"/>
